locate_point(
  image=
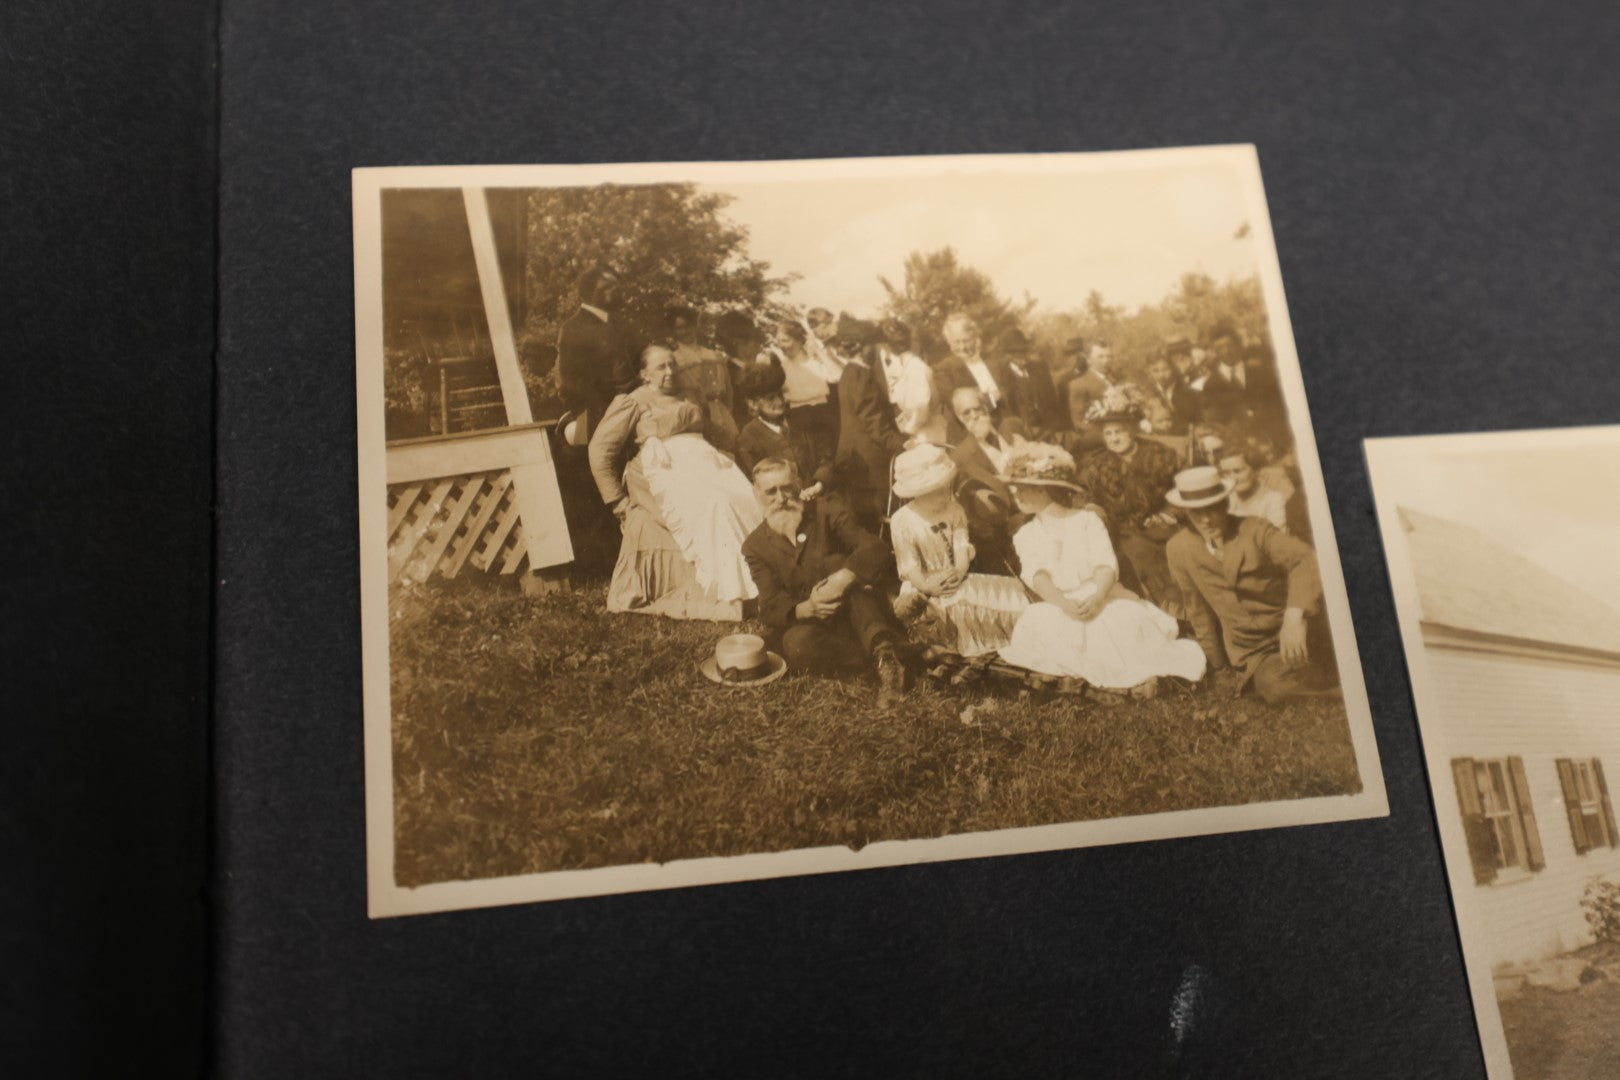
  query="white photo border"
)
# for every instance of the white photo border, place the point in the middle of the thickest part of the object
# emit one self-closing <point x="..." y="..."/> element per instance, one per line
<point x="1386" y="458"/>
<point x="386" y="898"/>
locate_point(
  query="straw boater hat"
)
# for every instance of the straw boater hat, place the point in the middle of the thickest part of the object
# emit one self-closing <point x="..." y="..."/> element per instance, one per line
<point x="922" y="469"/>
<point x="574" y="427"/>
<point x="1198" y="487"/>
<point x="1040" y="465"/>
<point x="741" y="660"/>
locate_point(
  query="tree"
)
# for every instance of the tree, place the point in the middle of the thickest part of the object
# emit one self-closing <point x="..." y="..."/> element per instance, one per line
<point x="936" y="285"/>
<point x="669" y="244"/>
<point x="1188" y="312"/>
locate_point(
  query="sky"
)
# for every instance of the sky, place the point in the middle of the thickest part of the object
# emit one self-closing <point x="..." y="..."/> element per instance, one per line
<point x="1557" y="506"/>
<point x="1128" y="234"/>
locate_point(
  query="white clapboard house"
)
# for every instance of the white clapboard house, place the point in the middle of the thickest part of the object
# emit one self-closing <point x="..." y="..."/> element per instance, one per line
<point x="1526" y="668"/>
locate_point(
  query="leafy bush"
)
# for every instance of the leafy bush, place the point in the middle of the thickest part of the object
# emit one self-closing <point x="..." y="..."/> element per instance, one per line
<point x="405" y="380"/>
<point x="1602" y="903"/>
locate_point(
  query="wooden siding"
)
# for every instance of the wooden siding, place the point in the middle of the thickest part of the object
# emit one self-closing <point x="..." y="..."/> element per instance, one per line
<point x="1538" y="709"/>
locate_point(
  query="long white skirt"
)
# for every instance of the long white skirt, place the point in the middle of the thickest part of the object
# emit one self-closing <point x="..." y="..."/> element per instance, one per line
<point x="709" y="508"/>
<point x="1129" y="642"/>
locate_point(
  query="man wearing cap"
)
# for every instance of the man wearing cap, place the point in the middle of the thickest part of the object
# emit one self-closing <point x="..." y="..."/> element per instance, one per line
<point x="1253" y="593"/>
<point x="868" y="438"/>
<point x="1030" y="392"/>
<point x="815" y="569"/>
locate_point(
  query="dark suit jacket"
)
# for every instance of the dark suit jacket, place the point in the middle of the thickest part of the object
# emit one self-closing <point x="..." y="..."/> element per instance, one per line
<point x="867" y="437"/>
<point x="756" y="442"/>
<point x="1032" y="398"/>
<point x="785" y="573"/>
<point x="952" y="374"/>
<point x="1180" y="404"/>
<point x="1227" y="402"/>
<point x="973" y="466"/>
<point x="595" y="363"/>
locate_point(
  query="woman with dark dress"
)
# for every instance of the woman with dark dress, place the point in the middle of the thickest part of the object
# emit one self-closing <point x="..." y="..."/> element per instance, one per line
<point x="1129" y="477"/>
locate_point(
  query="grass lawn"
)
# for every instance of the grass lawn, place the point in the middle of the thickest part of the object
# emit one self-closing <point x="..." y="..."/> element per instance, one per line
<point x="1568" y="1034"/>
<point x="544" y="734"/>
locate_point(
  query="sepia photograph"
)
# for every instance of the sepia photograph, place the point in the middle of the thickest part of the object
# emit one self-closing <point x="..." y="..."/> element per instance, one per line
<point x="723" y="521"/>
<point x="1501" y="558"/>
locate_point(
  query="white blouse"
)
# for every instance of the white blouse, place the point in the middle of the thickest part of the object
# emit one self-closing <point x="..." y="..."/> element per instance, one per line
<point x="1070" y="545"/>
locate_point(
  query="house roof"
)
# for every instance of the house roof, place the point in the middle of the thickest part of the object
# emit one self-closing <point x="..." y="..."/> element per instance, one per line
<point x="1471" y="583"/>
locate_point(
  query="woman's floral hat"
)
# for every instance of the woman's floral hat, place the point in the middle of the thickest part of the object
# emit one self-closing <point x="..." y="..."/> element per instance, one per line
<point x="1040" y="464"/>
<point x="1121" y="403"/>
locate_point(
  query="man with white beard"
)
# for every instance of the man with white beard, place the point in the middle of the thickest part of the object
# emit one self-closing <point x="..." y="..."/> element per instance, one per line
<point x="980" y="457"/>
<point x="816" y="569"/>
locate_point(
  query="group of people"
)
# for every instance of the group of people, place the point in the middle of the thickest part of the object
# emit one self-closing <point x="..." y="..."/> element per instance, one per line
<point x="1078" y="524"/>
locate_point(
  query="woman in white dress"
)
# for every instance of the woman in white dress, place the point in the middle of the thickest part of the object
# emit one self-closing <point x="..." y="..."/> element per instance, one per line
<point x="1086" y="625"/>
<point x="685" y="507"/>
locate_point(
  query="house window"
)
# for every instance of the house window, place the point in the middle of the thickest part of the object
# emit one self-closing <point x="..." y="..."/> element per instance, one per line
<point x="1586" y="800"/>
<point x="1498" y="815"/>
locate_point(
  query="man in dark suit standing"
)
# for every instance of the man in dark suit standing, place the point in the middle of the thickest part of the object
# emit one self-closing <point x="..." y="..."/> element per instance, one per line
<point x="1085" y="384"/>
<point x="1227" y="395"/>
<point x="1172" y="405"/>
<point x="868" y="438"/>
<point x="816" y="569"/>
<point x="595" y="361"/>
<point x="1031" y="394"/>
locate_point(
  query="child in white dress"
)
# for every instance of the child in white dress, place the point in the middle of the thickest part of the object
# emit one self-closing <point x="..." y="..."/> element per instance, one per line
<point x="968" y="613"/>
<point x="1086" y="625"/>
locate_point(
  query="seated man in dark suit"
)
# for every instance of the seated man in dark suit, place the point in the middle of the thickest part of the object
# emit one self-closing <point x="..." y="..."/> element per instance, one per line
<point x="984" y="495"/>
<point x="815" y="570"/>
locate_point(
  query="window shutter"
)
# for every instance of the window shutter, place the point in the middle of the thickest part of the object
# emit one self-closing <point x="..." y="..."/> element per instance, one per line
<point x="1572" y="804"/>
<point x="1475" y="828"/>
<point x="1608" y="807"/>
<point x="1527" y="814"/>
